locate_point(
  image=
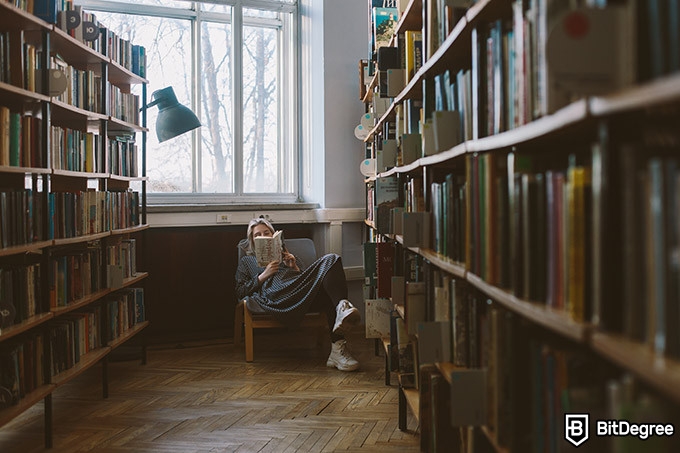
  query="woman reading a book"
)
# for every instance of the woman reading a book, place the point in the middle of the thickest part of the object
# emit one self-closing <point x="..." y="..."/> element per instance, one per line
<point x="287" y="289"/>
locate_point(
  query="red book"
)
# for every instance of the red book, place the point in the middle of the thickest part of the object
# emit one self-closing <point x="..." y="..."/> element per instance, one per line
<point x="384" y="264"/>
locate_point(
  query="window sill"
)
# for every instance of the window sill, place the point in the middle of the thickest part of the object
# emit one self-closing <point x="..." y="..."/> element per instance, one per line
<point x="200" y="207"/>
<point x="225" y="215"/>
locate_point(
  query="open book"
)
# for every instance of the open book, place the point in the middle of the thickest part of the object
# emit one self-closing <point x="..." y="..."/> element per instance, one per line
<point x="268" y="249"/>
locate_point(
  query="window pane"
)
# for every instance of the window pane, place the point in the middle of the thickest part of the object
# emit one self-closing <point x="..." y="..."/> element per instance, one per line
<point x="251" y="12"/>
<point x="216" y="107"/>
<point x="261" y="159"/>
<point x="215" y="8"/>
<point x="169" y="3"/>
<point x="168" y="50"/>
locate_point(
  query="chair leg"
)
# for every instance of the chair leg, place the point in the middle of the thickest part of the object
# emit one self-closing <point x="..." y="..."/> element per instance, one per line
<point x="238" y="322"/>
<point x="248" y="324"/>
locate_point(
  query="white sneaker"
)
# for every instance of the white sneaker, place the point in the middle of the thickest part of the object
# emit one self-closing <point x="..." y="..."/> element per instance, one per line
<point x="345" y="314"/>
<point x="340" y="357"/>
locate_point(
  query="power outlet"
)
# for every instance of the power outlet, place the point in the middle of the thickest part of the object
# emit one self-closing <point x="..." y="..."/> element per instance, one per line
<point x="222" y="218"/>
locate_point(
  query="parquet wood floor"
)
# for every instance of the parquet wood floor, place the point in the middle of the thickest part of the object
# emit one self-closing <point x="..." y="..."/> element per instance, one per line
<point x="203" y="397"/>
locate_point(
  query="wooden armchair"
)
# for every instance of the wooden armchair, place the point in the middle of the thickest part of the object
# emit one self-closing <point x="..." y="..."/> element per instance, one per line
<point x="250" y="316"/>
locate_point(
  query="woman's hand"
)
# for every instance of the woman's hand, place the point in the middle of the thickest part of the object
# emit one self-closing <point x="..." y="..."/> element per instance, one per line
<point x="271" y="269"/>
<point x="289" y="260"/>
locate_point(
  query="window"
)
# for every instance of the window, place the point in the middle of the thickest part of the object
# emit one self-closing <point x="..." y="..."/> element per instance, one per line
<point x="234" y="63"/>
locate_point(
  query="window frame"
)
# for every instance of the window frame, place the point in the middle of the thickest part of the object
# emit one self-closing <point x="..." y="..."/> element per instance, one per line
<point x="289" y="109"/>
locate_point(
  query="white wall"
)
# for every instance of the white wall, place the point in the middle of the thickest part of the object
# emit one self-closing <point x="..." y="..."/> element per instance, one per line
<point x="346" y="37"/>
<point x="335" y="33"/>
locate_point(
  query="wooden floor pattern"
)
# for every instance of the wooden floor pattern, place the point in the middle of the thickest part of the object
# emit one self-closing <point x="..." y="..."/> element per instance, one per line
<point x="203" y="397"/>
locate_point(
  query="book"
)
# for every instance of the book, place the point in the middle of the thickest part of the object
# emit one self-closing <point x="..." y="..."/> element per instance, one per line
<point x="413" y="53"/>
<point x="46" y="10"/>
<point x="269" y="248"/>
<point x="434" y="342"/>
<point x="378" y="312"/>
<point x="386" y="198"/>
<point x="4" y="135"/>
<point x="384" y="269"/>
<point x="384" y="26"/>
<point x="370" y="264"/>
<point x="468" y="397"/>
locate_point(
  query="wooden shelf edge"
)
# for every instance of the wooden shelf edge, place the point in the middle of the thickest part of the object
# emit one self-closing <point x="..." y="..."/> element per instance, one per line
<point x="33" y="247"/>
<point x="128" y="128"/>
<point x="77" y="110"/>
<point x="25" y="170"/>
<point x="133" y="280"/>
<point x="134" y="229"/>
<point x="131" y="332"/>
<point x="68" y="40"/>
<point x="25" y="325"/>
<point x="126" y="178"/>
<point x="442" y="262"/>
<point x="79" y="174"/>
<point x="79" y="239"/>
<point x="413" y="400"/>
<point x="37" y="246"/>
<point x="412" y="17"/>
<point x="571" y="115"/>
<point x="86" y="362"/>
<point x="556" y="320"/>
<point x="453" y="40"/>
<point x="9" y="413"/>
<point x="128" y="77"/>
<point x="653" y="93"/>
<point x="88" y="299"/>
<point x="25" y="18"/>
<point x="659" y="371"/>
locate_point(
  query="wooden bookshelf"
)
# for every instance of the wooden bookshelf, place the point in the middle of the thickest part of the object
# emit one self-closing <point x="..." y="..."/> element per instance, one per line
<point x="562" y="291"/>
<point x="33" y="215"/>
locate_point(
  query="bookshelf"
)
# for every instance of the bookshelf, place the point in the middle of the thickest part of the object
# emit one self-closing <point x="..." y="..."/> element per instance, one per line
<point x="553" y="222"/>
<point x="72" y="210"/>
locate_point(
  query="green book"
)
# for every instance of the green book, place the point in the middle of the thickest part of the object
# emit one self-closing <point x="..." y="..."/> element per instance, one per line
<point x="15" y="139"/>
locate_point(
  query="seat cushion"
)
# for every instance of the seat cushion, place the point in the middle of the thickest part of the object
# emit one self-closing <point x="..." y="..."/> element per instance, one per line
<point x="254" y="307"/>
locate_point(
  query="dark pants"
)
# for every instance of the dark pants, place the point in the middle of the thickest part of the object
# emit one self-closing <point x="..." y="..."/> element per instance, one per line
<point x="334" y="289"/>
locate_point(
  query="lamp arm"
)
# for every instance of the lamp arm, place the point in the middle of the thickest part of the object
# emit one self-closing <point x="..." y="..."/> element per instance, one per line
<point x="150" y="104"/>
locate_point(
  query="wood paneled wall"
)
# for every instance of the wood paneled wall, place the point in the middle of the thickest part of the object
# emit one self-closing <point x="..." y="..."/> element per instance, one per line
<point x="190" y="290"/>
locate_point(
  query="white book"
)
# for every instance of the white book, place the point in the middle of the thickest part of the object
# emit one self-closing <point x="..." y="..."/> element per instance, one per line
<point x="378" y="313"/>
<point x="269" y="248"/>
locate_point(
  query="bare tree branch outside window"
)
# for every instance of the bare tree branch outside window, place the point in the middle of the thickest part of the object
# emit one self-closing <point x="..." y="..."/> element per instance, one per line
<point x="168" y="43"/>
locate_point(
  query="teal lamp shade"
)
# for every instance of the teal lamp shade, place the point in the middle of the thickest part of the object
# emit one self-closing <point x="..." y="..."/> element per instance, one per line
<point x="173" y="118"/>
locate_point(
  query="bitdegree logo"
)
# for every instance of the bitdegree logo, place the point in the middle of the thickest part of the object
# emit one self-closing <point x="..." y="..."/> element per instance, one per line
<point x="576" y="429"/>
<point x="641" y="430"/>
